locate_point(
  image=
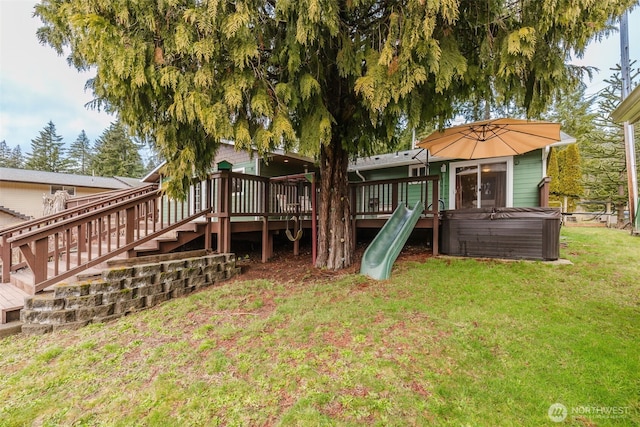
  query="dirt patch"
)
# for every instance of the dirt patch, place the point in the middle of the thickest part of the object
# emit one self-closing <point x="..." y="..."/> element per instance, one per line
<point x="284" y="267"/>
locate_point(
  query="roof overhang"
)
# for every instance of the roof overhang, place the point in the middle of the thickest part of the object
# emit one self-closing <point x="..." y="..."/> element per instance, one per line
<point x="629" y="109"/>
<point x="565" y="139"/>
<point x="275" y="155"/>
<point x="417" y="156"/>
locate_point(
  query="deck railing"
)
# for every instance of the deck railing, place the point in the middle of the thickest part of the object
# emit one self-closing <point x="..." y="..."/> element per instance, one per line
<point x="92" y="233"/>
<point x="12" y="260"/>
<point x="239" y="195"/>
<point x="59" y="246"/>
<point x="382" y="197"/>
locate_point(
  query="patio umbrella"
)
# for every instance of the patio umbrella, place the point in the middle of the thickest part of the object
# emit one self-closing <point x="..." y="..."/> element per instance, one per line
<point x="491" y="138"/>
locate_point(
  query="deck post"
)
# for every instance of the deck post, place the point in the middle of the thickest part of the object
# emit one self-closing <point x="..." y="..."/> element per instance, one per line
<point x="435" y="202"/>
<point x="314" y="222"/>
<point x="543" y="192"/>
<point x="353" y="219"/>
<point x="5" y="255"/>
<point x="394" y="196"/>
<point x="129" y="232"/>
<point x="297" y="225"/>
<point x="224" y="199"/>
<point x="39" y="260"/>
<point x="267" y="240"/>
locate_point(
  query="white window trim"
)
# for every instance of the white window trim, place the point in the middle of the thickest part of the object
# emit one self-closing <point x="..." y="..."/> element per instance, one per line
<point x="414" y="167"/>
<point x="452" y="176"/>
<point x="71" y="190"/>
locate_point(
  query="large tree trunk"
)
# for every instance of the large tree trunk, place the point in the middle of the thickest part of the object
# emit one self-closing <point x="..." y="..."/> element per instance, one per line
<point x="335" y="243"/>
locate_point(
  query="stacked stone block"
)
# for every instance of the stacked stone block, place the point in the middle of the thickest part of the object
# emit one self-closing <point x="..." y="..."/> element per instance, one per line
<point x="123" y="290"/>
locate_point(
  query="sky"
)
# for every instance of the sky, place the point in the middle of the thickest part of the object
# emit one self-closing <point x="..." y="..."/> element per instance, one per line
<point x="37" y="85"/>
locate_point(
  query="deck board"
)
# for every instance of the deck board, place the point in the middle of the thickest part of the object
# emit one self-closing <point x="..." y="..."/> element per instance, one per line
<point x="11" y="299"/>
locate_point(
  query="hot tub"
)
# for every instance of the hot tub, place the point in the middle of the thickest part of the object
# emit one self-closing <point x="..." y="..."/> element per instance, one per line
<point x="516" y="233"/>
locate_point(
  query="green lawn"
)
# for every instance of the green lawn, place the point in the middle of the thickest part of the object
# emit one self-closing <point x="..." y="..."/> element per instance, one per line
<point x="446" y="342"/>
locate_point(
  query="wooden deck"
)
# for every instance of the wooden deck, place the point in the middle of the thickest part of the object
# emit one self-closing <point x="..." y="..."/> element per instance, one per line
<point x="145" y="221"/>
<point x="11" y="301"/>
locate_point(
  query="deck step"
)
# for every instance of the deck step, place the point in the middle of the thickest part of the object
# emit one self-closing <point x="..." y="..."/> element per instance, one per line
<point x="22" y="281"/>
<point x="11" y="302"/>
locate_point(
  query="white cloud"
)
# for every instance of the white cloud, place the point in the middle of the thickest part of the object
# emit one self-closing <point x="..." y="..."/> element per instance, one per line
<point x="36" y="85"/>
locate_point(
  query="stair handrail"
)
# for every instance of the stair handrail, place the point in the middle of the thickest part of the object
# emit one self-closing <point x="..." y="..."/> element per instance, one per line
<point x="34" y="247"/>
<point x="67" y="213"/>
<point x="39" y="286"/>
<point x="8" y="235"/>
<point x="84" y="217"/>
<point x="77" y="201"/>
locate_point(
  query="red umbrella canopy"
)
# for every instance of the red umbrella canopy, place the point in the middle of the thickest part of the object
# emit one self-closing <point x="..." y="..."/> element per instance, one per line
<point x="491" y="138"/>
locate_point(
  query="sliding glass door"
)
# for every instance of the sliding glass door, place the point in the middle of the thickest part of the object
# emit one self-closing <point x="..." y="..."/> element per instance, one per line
<point x="481" y="184"/>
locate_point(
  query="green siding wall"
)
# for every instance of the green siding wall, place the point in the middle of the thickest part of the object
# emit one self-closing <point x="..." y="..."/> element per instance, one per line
<point x="403" y="172"/>
<point x="527" y="174"/>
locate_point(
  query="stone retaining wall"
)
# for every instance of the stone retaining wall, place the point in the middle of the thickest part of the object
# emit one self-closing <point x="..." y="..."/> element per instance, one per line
<point x="122" y="290"/>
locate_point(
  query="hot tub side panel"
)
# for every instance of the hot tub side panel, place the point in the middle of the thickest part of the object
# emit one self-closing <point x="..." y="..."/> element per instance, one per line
<point x="515" y="234"/>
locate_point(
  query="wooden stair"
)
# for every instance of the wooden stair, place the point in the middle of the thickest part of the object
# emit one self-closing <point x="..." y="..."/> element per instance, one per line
<point x="22" y="282"/>
<point x="171" y="240"/>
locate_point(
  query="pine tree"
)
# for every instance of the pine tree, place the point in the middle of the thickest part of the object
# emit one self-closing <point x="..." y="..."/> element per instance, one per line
<point x="116" y="154"/>
<point x="16" y="159"/>
<point x="47" y="152"/>
<point x="5" y="154"/>
<point x="331" y="78"/>
<point x="604" y="152"/>
<point x="80" y="153"/>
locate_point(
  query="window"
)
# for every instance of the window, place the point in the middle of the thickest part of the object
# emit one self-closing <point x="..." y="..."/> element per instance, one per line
<point x="481" y="184"/>
<point x="70" y="190"/>
<point x="419" y="170"/>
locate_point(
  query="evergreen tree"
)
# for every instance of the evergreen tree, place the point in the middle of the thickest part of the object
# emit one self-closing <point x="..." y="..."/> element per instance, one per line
<point x="331" y="78"/>
<point x="604" y="152"/>
<point x="5" y="154"/>
<point x="11" y="158"/>
<point x="80" y="153"/>
<point x="573" y="110"/>
<point x="47" y="152"/>
<point x="116" y="154"/>
<point x="16" y="159"/>
<point x="553" y="172"/>
<point x="571" y="176"/>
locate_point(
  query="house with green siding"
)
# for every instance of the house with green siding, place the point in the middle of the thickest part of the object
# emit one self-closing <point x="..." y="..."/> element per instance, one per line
<point x="512" y="181"/>
<point x="276" y="163"/>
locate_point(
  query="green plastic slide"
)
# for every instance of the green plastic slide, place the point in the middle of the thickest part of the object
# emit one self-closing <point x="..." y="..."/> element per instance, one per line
<point x="386" y="246"/>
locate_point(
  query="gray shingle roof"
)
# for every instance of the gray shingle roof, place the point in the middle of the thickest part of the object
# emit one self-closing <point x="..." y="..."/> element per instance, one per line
<point x="401" y="158"/>
<point x="54" y="178"/>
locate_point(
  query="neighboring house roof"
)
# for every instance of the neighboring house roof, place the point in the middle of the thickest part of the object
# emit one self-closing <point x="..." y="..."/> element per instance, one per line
<point x="131" y="182"/>
<point x="629" y="109"/>
<point x="15" y="214"/>
<point x="54" y="178"/>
